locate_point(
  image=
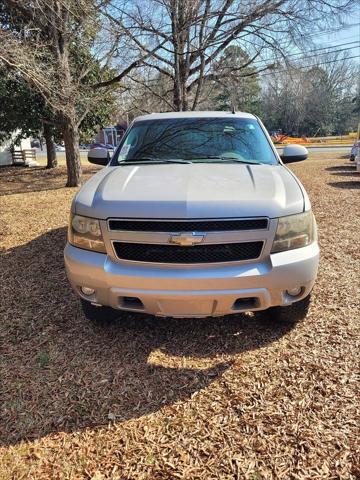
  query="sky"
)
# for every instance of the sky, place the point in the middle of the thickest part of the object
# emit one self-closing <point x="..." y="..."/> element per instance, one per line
<point x="343" y="40"/>
<point x="348" y="35"/>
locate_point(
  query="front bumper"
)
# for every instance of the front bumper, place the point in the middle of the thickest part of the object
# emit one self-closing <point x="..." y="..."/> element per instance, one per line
<point x="196" y="291"/>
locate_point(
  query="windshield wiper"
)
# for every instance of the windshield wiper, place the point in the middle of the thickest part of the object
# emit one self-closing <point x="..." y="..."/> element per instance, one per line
<point x="153" y="160"/>
<point x="226" y="159"/>
<point x="239" y="160"/>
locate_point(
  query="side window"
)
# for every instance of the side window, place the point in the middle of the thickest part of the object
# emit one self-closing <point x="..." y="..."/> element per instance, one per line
<point x="129" y="143"/>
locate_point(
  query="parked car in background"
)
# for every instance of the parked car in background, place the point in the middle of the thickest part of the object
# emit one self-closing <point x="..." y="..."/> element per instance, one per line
<point x="35" y="144"/>
<point x="354" y="150"/>
<point x="357" y="160"/>
<point x="59" y="148"/>
<point x="194" y="216"/>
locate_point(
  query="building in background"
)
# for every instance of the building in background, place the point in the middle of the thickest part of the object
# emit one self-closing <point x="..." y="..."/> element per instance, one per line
<point x="111" y="135"/>
<point x="7" y="148"/>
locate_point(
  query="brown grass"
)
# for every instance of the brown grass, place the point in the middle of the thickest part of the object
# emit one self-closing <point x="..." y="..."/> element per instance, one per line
<point x="155" y="399"/>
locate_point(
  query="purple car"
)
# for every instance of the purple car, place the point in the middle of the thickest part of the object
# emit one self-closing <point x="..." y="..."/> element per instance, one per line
<point x="354" y="150"/>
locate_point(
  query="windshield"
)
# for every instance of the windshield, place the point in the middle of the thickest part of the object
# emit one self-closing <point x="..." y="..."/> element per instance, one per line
<point x="196" y="140"/>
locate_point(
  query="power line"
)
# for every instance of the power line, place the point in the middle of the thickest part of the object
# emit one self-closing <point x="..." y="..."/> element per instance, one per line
<point x="321" y="34"/>
<point x="309" y="66"/>
<point x="328" y="46"/>
<point x="325" y="32"/>
<point x="346" y="38"/>
<point x="328" y="50"/>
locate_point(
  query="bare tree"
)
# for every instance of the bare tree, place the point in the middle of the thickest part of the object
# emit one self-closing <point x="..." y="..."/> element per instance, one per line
<point x="52" y="44"/>
<point x="311" y="96"/>
<point x="50" y="146"/>
<point x="183" y="38"/>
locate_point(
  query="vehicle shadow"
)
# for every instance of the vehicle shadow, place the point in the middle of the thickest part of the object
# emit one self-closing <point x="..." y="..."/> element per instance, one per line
<point x="341" y="168"/>
<point x="349" y="185"/>
<point x="64" y="373"/>
<point x="15" y="180"/>
<point x="354" y="173"/>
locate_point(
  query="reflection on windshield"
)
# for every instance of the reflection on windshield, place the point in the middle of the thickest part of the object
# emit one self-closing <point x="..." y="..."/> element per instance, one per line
<point x="196" y="139"/>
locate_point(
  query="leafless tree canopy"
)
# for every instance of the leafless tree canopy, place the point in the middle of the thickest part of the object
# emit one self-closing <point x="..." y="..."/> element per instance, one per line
<point x="181" y="39"/>
<point x="36" y="39"/>
<point x="54" y="44"/>
<point x="312" y="99"/>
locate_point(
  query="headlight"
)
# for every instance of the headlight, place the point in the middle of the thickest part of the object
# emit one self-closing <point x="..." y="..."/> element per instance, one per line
<point x="294" y="231"/>
<point x="85" y="232"/>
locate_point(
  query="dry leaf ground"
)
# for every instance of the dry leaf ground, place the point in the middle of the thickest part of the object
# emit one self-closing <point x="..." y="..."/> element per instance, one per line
<point x="146" y="398"/>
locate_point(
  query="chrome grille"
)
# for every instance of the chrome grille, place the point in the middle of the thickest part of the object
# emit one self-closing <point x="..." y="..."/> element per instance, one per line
<point x="194" y="225"/>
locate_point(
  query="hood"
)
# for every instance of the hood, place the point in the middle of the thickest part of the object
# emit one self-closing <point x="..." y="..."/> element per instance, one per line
<point x="191" y="191"/>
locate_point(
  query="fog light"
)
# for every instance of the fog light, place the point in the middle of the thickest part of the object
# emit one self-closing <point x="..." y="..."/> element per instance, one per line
<point x="87" y="291"/>
<point x="294" y="292"/>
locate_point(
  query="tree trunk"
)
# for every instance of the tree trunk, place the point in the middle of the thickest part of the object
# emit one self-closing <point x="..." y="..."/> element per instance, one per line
<point x="180" y="94"/>
<point x="72" y="153"/>
<point x="50" y="147"/>
<point x="185" y="104"/>
<point x="176" y="96"/>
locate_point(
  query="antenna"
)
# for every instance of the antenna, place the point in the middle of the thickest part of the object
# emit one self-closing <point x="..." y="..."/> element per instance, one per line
<point x="233" y="110"/>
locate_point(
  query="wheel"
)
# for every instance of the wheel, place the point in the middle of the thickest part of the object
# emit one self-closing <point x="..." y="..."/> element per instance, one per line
<point x="352" y="158"/>
<point x="290" y="313"/>
<point x="99" y="313"/>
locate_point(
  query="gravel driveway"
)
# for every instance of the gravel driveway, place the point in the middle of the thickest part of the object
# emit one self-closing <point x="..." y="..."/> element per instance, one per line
<point x="144" y="398"/>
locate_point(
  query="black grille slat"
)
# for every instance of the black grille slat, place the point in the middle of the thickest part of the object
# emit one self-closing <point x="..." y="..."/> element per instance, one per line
<point x="208" y="253"/>
<point x="188" y="225"/>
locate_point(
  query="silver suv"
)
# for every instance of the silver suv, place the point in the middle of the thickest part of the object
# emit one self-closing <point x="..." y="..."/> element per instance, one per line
<point x="195" y="215"/>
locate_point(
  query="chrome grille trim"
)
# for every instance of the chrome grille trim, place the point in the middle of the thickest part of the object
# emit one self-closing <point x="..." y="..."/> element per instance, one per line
<point x="218" y="237"/>
<point x="207" y="225"/>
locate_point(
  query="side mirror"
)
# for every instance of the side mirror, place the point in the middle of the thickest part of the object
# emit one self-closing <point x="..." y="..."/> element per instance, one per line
<point x="294" y="153"/>
<point x="99" y="156"/>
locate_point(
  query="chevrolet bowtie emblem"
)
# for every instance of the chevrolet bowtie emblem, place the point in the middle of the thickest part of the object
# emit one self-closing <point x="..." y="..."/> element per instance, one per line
<point x="187" y="239"/>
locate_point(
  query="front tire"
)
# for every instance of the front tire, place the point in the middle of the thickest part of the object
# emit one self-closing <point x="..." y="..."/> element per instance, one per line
<point x="292" y="313"/>
<point x="99" y="314"/>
